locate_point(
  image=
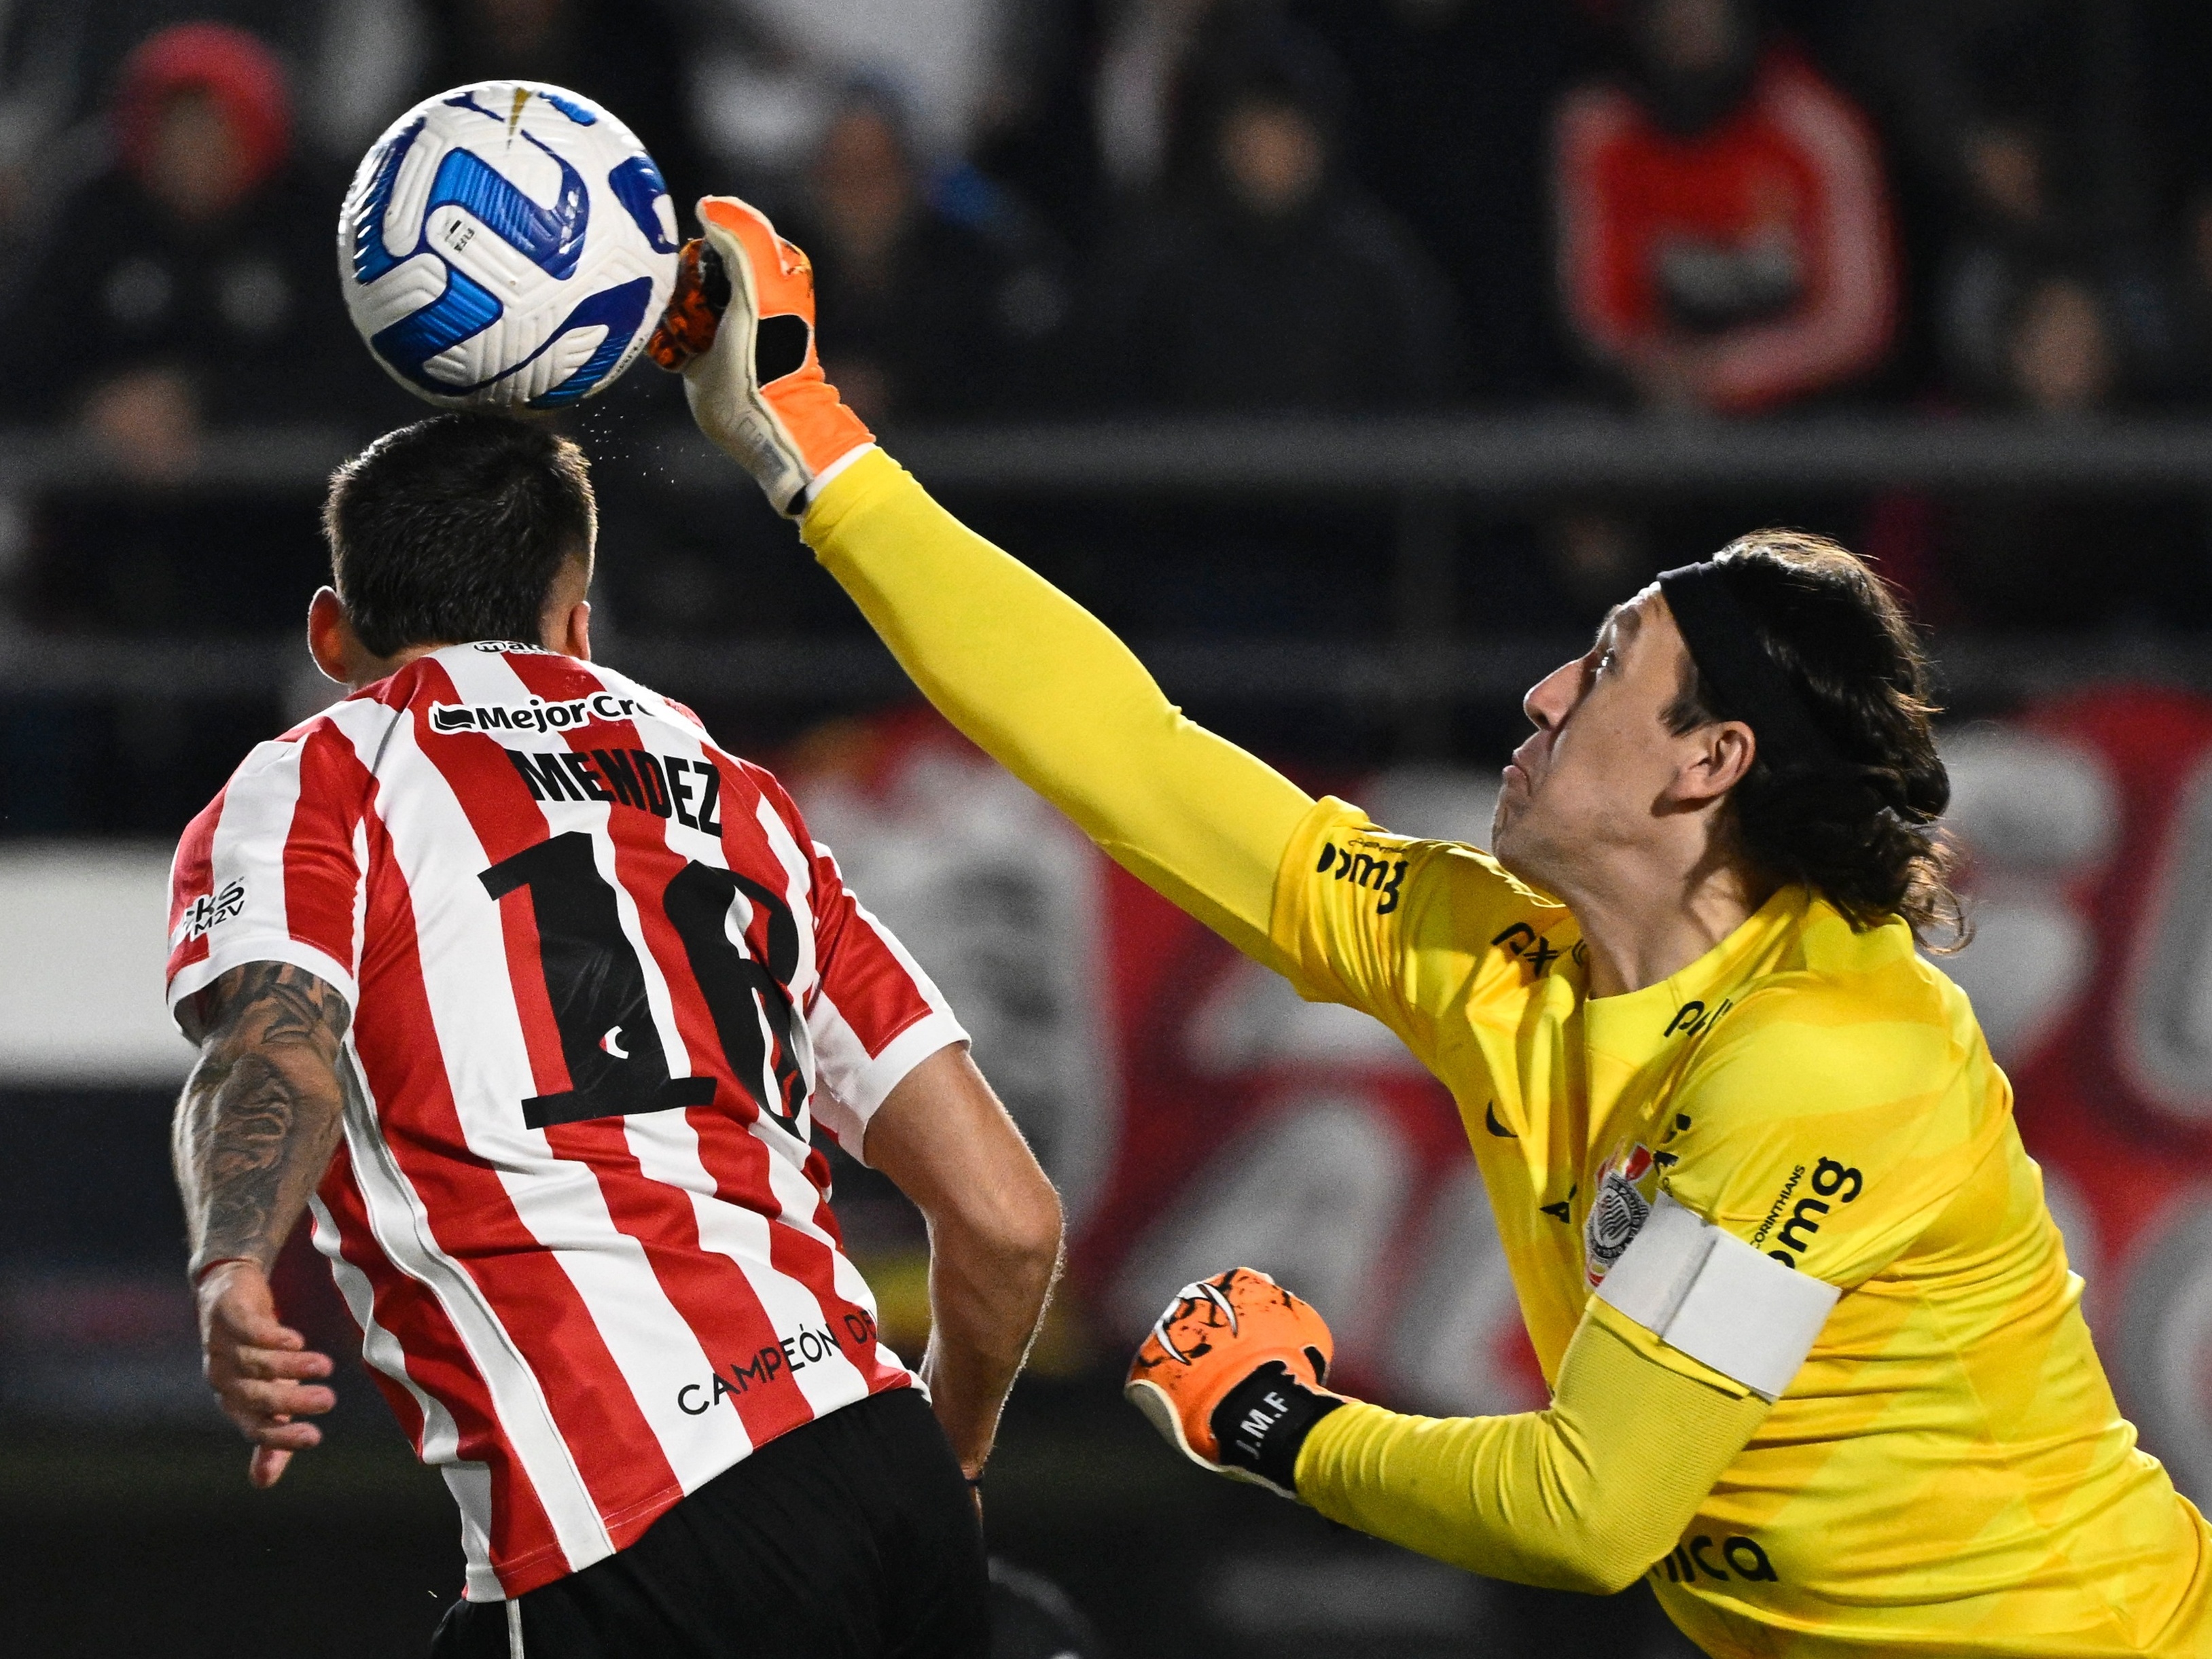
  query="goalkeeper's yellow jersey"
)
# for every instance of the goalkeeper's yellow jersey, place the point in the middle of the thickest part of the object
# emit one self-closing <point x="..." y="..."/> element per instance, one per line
<point x="1950" y="1473"/>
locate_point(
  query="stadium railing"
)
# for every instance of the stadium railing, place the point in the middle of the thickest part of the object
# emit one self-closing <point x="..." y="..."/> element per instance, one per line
<point x="1533" y="453"/>
<point x="1425" y="467"/>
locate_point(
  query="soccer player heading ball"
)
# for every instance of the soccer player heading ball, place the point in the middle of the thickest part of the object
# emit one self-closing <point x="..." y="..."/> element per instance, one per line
<point x="541" y="1002"/>
<point x="1818" y="1368"/>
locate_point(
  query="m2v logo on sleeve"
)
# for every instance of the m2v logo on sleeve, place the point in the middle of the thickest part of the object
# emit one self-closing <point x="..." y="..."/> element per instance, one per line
<point x="212" y="909"/>
<point x="1361" y="868"/>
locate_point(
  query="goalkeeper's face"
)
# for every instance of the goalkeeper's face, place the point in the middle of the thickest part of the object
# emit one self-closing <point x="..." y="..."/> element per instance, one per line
<point x="1603" y="783"/>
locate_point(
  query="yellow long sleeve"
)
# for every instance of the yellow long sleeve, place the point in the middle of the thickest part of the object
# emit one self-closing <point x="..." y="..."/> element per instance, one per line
<point x="1584" y="1496"/>
<point x="1042" y="687"/>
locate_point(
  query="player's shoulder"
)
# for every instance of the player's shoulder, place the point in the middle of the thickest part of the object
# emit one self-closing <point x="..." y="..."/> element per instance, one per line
<point x="306" y="756"/>
<point x="1446" y="917"/>
<point x="1838" y="978"/>
<point x="1339" y="842"/>
<point x="1842" y="1101"/>
<point x="1851" y="1019"/>
<point x="749" y="773"/>
<point x="662" y="706"/>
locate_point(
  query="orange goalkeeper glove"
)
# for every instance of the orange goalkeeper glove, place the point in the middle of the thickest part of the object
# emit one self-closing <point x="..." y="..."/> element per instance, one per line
<point x="1232" y="1376"/>
<point x="741" y="330"/>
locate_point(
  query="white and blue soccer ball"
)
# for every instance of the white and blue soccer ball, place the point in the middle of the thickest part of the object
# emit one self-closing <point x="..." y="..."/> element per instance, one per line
<point x="507" y="244"/>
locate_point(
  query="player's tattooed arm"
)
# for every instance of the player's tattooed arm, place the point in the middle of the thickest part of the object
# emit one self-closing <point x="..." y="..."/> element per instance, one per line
<point x="258" y="1122"/>
<point x="261" y="1113"/>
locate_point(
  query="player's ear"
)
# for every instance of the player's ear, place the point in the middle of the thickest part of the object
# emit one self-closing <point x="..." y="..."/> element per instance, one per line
<point x="1719" y="755"/>
<point x="575" y="632"/>
<point x="331" y="639"/>
<point x="565" y="623"/>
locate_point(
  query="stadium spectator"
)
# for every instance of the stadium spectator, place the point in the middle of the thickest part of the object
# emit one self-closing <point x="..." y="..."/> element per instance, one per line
<point x="192" y="291"/>
<point x="2024" y="114"/>
<point x="1450" y="126"/>
<point x="2048" y="343"/>
<point x="2026" y="124"/>
<point x="941" y="302"/>
<point x="1150" y="51"/>
<point x="207" y="297"/>
<point x="1108" y="111"/>
<point x="2014" y="558"/>
<point x="1723" y="226"/>
<point x="1272" y="282"/>
<point x="958" y="65"/>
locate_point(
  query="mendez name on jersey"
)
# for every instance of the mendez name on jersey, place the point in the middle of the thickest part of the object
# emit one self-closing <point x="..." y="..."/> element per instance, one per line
<point x="605" y="989"/>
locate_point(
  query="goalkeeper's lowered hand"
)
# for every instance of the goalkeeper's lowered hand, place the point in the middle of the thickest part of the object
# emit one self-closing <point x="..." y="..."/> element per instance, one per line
<point x="741" y="330"/>
<point x="1232" y="1375"/>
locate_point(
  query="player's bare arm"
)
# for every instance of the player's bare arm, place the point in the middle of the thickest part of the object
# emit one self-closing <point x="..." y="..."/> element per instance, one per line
<point x="994" y="1238"/>
<point x="255" y="1128"/>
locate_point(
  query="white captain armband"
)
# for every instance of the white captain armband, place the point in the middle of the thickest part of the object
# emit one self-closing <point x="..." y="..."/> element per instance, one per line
<point x="1708" y="1294"/>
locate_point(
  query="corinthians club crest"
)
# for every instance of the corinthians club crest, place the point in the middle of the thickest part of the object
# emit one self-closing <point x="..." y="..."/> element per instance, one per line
<point x="1626" y="1186"/>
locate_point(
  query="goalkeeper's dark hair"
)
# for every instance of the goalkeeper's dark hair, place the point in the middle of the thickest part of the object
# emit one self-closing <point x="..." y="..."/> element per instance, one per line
<point x="453" y="529"/>
<point x="1864" y="835"/>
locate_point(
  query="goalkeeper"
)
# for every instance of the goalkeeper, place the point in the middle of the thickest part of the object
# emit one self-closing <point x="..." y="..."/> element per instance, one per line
<point x="1817" y="1366"/>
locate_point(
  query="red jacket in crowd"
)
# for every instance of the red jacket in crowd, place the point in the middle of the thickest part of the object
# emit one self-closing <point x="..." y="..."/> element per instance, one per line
<point x="1737" y="268"/>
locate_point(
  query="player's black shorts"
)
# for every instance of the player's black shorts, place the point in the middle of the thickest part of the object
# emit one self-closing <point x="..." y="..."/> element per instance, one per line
<point x="851" y="1538"/>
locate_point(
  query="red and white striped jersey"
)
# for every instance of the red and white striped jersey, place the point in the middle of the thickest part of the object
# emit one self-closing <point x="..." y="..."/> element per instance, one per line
<point x="605" y="987"/>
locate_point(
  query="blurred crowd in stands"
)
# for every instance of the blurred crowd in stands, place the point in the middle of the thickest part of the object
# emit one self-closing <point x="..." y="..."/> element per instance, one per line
<point x="1053" y="208"/>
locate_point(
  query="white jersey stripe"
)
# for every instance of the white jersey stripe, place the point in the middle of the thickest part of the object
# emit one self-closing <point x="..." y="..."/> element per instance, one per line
<point x="469" y="1483"/>
<point x="798" y="877"/>
<point x="872" y="1082"/>
<point x="401" y="1227"/>
<point x="844" y="1059"/>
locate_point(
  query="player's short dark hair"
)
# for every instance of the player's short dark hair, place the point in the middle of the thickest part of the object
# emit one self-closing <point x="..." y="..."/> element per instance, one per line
<point x="453" y="528"/>
<point x="1865" y="836"/>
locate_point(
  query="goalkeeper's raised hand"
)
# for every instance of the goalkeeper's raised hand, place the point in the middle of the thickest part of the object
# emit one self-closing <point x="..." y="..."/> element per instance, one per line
<point x="1232" y="1375"/>
<point x="741" y="330"/>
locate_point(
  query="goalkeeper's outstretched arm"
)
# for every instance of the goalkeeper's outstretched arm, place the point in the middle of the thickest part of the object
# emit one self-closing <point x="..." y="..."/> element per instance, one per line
<point x="1045" y="689"/>
<point x="1026" y="672"/>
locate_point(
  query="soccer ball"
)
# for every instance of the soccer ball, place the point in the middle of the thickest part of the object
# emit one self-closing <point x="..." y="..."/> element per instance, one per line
<point x="507" y="244"/>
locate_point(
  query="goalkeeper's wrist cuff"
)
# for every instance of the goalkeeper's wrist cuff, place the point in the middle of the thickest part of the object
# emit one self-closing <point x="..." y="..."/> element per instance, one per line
<point x="1262" y="1423"/>
<point x="821" y="481"/>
